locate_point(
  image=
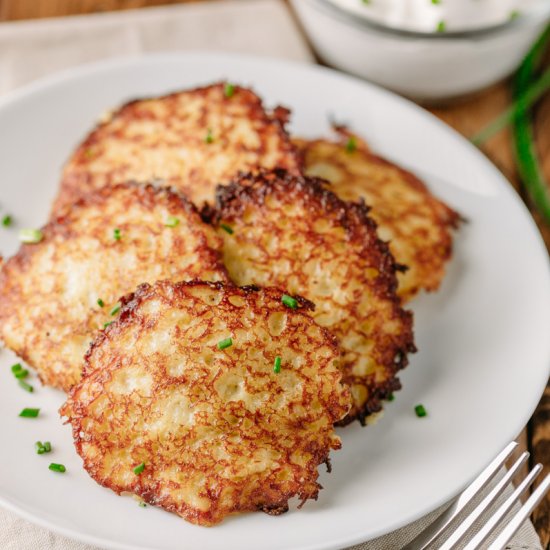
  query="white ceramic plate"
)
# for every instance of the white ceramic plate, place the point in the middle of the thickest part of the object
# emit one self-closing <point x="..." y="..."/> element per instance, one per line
<point x="484" y="349"/>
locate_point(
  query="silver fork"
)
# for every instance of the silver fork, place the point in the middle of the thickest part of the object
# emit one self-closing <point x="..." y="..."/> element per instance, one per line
<point x="446" y="523"/>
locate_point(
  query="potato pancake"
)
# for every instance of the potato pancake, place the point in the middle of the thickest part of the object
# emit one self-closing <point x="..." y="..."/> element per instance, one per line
<point x="191" y="140"/>
<point x="206" y="399"/>
<point x="416" y="224"/>
<point x="292" y="232"/>
<point x="54" y="295"/>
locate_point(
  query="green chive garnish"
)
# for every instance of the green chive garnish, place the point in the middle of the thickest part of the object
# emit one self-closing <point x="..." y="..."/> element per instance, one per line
<point x="171" y="221"/>
<point x="115" y="309"/>
<point x="42" y="448"/>
<point x="226" y="228"/>
<point x="17" y="369"/>
<point x="420" y="411"/>
<point x="105" y="325"/>
<point x="436" y="2"/>
<point x="228" y="90"/>
<point x="29" y="413"/>
<point x="25" y="386"/>
<point x="277" y="365"/>
<point x="23" y="373"/>
<point x="30" y="236"/>
<point x="225" y="343"/>
<point x="100" y="302"/>
<point x="57" y="468"/>
<point x="138" y="469"/>
<point x="391" y="397"/>
<point x="514" y="14"/>
<point x="351" y="145"/>
<point x="116" y="234"/>
<point x="289" y="301"/>
<point x="7" y="221"/>
<point x="441" y="26"/>
<point x="209" y="137"/>
<point x="142" y="504"/>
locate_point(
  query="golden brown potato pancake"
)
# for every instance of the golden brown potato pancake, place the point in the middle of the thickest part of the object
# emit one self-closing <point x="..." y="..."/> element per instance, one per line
<point x="215" y="426"/>
<point x="416" y="224"/>
<point x="294" y="233"/>
<point x="191" y="140"/>
<point x="110" y="242"/>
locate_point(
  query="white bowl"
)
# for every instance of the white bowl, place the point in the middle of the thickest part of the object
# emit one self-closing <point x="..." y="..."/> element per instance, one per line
<point x="424" y="66"/>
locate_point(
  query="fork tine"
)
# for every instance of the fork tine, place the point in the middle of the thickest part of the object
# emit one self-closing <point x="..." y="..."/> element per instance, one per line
<point x="465" y="525"/>
<point x="523" y="513"/>
<point x="426" y="537"/>
<point x="494" y="520"/>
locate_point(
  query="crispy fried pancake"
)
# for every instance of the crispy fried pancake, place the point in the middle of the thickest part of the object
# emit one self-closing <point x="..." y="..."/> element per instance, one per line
<point x="416" y="224"/>
<point x="292" y="232"/>
<point x="49" y="291"/>
<point x="218" y="430"/>
<point x="191" y="140"/>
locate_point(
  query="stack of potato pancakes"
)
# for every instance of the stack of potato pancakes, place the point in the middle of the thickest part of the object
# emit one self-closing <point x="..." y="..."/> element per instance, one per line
<point x="215" y="297"/>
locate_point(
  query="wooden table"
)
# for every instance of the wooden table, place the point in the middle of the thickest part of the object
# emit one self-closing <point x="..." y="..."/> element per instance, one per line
<point x="467" y="116"/>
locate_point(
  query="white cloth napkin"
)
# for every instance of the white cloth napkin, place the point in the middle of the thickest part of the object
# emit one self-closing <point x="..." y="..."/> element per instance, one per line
<point x="32" y="49"/>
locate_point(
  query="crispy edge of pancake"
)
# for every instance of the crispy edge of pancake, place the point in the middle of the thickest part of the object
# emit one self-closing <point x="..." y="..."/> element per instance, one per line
<point x="446" y="219"/>
<point x="11" y="271"/>
<point x="72" y="179"/>
<point x="254" y="189"/>
<point x="272" y="496"/>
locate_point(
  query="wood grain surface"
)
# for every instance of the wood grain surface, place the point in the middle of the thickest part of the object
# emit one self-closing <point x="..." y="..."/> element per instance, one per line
<point x="467" y="116"/>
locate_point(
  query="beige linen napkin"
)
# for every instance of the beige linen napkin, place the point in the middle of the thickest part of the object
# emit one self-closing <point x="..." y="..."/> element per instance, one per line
<point x="32" y="49"/>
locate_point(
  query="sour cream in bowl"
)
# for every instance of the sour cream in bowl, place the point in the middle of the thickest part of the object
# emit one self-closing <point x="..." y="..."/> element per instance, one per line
<point x="426" y="49"/>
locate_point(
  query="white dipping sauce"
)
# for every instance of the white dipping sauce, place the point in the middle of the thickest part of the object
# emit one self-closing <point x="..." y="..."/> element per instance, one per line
<point x="443" y="15"/>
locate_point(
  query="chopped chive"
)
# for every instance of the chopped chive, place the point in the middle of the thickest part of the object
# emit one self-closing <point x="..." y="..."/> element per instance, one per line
<point x="105" y="325"/>
<point x="228" y="90"/>
<point x="30" y="236"/>
<point x="57" y="468"/>
<point x="209" y="137"/>
<point x="171" y="221"/>
<point x="436" y="2"/>
<point x="514" y="14"/>
<point x="25" y="386"/>
<point x="441" y="26"/>
<point x="29" y="413"/>
<point x="289" y="301"/>
<point x="7" y="221"/>
<point x="116" y="234"/>
<point x="100" y="302"/>
<point x="225" y="343"/>
<point x="391" y="397"/>
<point x="138" y="469"/>
<point x="22" y="373"/>
<point x="47" y="446"/>
<point x="351" y="145"/>
<point x="116" y="309"/>
<point x="420" y="411"/>
<point x="40" y="449"/>
<point x="227" y="228"/>
<point x="277" y="365"/>
<point x="142" y="504"/>
<point x="17" y="368"/>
